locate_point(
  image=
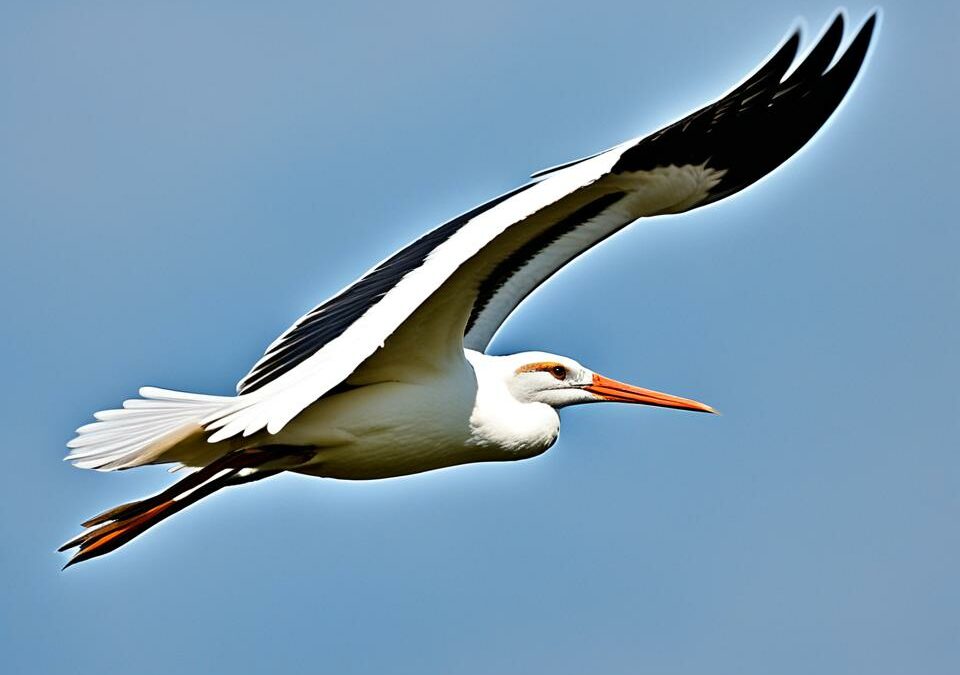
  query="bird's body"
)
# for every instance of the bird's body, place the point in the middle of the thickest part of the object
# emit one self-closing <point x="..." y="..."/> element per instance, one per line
<point x="453" y="416"/>
<point x="391" y="377"/>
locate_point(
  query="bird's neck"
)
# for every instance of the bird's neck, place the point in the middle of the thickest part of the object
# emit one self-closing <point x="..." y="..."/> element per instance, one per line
<point x="500" y="420"/>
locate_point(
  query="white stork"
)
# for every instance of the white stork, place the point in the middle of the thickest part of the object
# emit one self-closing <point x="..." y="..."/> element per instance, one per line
<point x="390" y="376"/>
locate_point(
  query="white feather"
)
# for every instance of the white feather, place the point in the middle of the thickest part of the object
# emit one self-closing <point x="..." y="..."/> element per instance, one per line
<point x="134" y="434"/>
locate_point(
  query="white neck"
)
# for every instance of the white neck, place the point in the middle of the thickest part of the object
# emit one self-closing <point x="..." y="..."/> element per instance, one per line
<point x="499" y="419"/>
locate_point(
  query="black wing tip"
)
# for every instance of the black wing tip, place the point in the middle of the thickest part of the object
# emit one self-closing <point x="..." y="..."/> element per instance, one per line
<point x="828" y="40"/>
<point x="842" y="15"/>
<point x="792" y="43"/>
<point x="834" y="29"/>
<point x="864" y="36"/>
<point x="836" y="24"/>
<point x="825" y="48"/>
<point x="782" y="57"/>
<point x="869" y="26"/>
<point x="826" y="86"/>
<point x="818" y="56"/>
<point x="768" y="117"/>
<point x="850" y="63"/>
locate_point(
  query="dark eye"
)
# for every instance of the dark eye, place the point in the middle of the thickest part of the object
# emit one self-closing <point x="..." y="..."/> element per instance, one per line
<point x="558" y="372"/>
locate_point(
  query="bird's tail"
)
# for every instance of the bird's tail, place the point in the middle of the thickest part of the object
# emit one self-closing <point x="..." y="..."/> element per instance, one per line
<point x="145" y="429"/>
<point x="119" y="525"/>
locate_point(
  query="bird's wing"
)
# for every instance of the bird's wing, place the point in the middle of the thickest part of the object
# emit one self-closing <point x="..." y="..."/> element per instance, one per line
<point x="456" y="285"/>
<point x="711" y="154"/>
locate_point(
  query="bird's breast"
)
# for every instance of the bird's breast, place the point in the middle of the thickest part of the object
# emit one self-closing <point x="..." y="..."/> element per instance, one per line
<point x="517" y="430"/>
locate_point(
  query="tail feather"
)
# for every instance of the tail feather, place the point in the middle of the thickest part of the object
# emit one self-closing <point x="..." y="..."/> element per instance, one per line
<point x="143" y="429"/>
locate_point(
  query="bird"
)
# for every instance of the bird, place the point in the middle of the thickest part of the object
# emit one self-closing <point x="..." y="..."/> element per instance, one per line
<point x="392" y="376"/>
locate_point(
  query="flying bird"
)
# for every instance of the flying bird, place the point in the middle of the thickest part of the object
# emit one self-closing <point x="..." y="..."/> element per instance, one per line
<point x="391" y="377"/>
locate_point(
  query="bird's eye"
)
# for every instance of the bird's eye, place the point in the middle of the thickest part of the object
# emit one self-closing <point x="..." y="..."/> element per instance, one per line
<point x="558" y="372"/>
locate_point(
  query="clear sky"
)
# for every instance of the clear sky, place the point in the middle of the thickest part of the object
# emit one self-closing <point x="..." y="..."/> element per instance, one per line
<point x="179" y="181"/>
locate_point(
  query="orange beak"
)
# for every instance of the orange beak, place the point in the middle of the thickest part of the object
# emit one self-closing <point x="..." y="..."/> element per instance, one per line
<point x="618" y="392"/>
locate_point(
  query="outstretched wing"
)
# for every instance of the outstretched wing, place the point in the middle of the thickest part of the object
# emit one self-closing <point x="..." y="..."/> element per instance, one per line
<point x="456" y="285"/>
<point x="738" y="139"/>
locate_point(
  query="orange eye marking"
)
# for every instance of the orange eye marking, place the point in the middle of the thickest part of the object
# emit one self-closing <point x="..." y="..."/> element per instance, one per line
<point x="558" y="370"/>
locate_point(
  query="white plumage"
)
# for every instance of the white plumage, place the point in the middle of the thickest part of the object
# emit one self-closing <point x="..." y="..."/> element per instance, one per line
<point x="140" y="431"/>
<point x="389" y="377"/>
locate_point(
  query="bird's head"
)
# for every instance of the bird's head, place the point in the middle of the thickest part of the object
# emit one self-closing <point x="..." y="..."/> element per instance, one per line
<point x="559" y="381"/>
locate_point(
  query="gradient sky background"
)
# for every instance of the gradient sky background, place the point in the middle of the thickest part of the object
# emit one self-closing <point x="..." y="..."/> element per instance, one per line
<point x="179" y="181"/>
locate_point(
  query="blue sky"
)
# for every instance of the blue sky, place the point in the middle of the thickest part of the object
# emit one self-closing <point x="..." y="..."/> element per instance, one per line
<point x="179" y="181"/>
